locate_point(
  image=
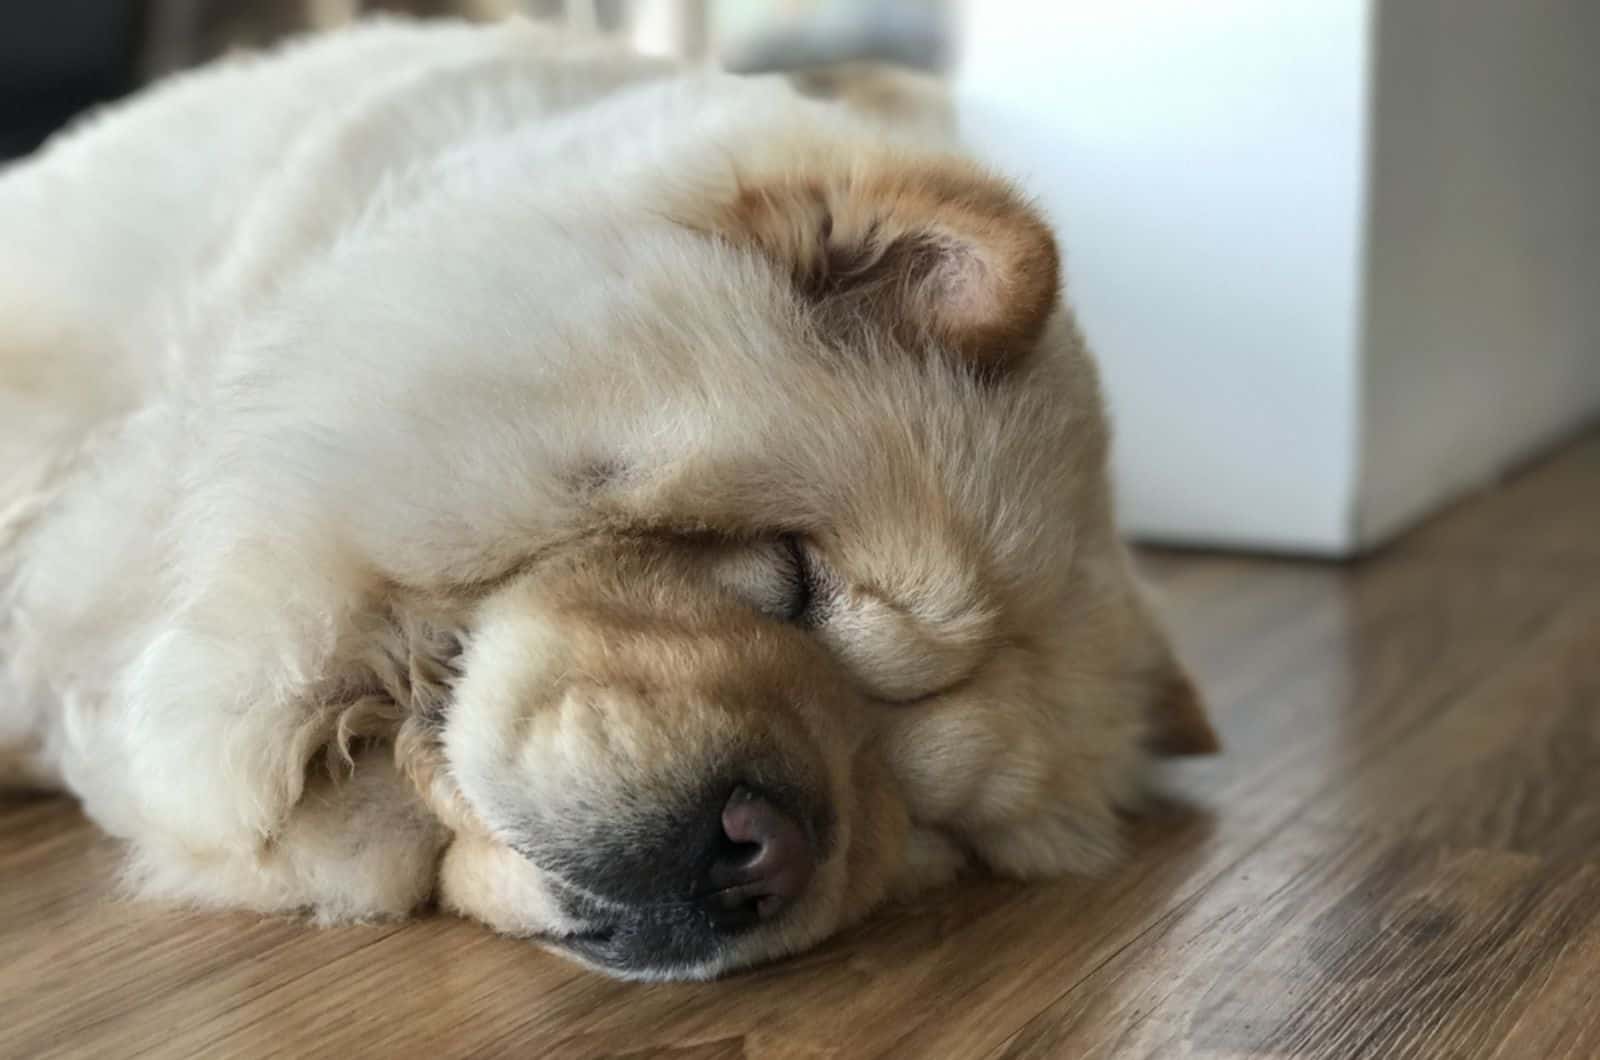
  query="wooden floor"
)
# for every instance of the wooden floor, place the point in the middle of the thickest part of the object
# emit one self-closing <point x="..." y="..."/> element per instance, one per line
<point x="1398" y="856"/>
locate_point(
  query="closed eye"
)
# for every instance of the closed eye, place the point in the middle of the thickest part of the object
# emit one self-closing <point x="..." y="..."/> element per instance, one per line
<point x="802" y="582"/>
<point x="777" y="576"/>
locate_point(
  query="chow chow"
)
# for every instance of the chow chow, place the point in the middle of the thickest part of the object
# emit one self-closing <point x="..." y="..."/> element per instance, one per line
<point x="652" y="512"/>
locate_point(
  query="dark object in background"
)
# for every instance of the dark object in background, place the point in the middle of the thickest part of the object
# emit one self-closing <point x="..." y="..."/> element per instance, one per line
<point x="911" y="34"/>
<point x="61" y="57"/>
<point x="58" y="58"/>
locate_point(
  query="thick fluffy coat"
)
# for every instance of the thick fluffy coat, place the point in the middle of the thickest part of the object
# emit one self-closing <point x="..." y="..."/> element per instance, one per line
<point x="446" y="462"/>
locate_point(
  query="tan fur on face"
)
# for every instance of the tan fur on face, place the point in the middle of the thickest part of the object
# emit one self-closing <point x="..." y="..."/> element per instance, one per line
<point x="619" y="691"/>
<point x="550" y="509"/>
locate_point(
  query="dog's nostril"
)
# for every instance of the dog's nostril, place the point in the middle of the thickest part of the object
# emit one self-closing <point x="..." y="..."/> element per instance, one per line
<point x="764" y="863"/>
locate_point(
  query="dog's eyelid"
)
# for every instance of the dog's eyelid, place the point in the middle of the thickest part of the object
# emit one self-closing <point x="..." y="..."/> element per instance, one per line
<point x="803" y="590"/>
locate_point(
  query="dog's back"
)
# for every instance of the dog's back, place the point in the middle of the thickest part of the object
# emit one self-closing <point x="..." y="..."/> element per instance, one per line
<point x="118" y="226"/>
<point x="137" y="239"/>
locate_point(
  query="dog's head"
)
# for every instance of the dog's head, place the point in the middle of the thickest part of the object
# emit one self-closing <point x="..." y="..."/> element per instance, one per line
<point x="839" y="606"/>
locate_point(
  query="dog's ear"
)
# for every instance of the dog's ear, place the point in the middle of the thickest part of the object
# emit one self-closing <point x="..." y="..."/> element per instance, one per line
<point x="927" y="250"/>
<point x="1178" y="721"/>
<point x="1175" y="716"/>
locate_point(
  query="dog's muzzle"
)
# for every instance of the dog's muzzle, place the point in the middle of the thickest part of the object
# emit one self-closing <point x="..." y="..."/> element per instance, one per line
<point x="654" y="901"/>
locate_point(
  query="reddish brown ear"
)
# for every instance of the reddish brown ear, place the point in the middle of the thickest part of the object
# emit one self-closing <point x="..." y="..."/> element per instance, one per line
<point x="927" y="251"/>
<point x="1178" y="721"/>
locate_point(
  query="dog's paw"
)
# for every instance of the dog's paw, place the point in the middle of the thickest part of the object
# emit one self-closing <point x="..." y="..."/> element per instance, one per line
<point x="356" y="847"/>
<point x="217" y="755"/>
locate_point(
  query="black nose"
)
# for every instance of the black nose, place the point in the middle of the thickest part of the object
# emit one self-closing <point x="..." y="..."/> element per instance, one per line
<point x="763" y="864"/>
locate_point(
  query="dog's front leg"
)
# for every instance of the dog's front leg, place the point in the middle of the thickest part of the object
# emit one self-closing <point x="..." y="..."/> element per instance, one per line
<point x="211" y="728"/>
<point x="358" y="845"/>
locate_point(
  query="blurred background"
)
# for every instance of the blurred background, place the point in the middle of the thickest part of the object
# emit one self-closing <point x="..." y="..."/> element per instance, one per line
<point x="1340" y="259"/>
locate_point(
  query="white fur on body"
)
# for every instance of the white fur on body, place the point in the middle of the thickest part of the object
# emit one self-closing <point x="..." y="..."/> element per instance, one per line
<point x="169" y="615"/>
<point x="299" y="355"/>
<point x="156" y="607"/>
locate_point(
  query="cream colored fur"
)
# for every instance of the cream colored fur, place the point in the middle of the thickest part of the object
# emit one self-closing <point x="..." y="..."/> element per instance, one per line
<point x="431" y="402"/>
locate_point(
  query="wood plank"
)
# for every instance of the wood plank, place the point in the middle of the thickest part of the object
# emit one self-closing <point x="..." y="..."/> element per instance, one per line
<point x="1548" y="514"/>
<point x="87" y="974"/>
<point x="1512" y="766"/>
<point x="1331" y="944"/>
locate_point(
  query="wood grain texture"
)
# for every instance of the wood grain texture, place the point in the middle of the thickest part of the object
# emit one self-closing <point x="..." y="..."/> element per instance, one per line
<point x="1398" y="856"/>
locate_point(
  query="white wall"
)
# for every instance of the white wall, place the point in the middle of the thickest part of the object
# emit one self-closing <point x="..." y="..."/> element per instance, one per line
<point x="1483" y="283"/>
<point x="1204" y="163"/>
<point x="1340" y="259"/>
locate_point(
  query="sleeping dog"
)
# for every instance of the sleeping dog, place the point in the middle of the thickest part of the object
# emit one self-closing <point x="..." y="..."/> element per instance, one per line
<point x="652" y="512"/>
